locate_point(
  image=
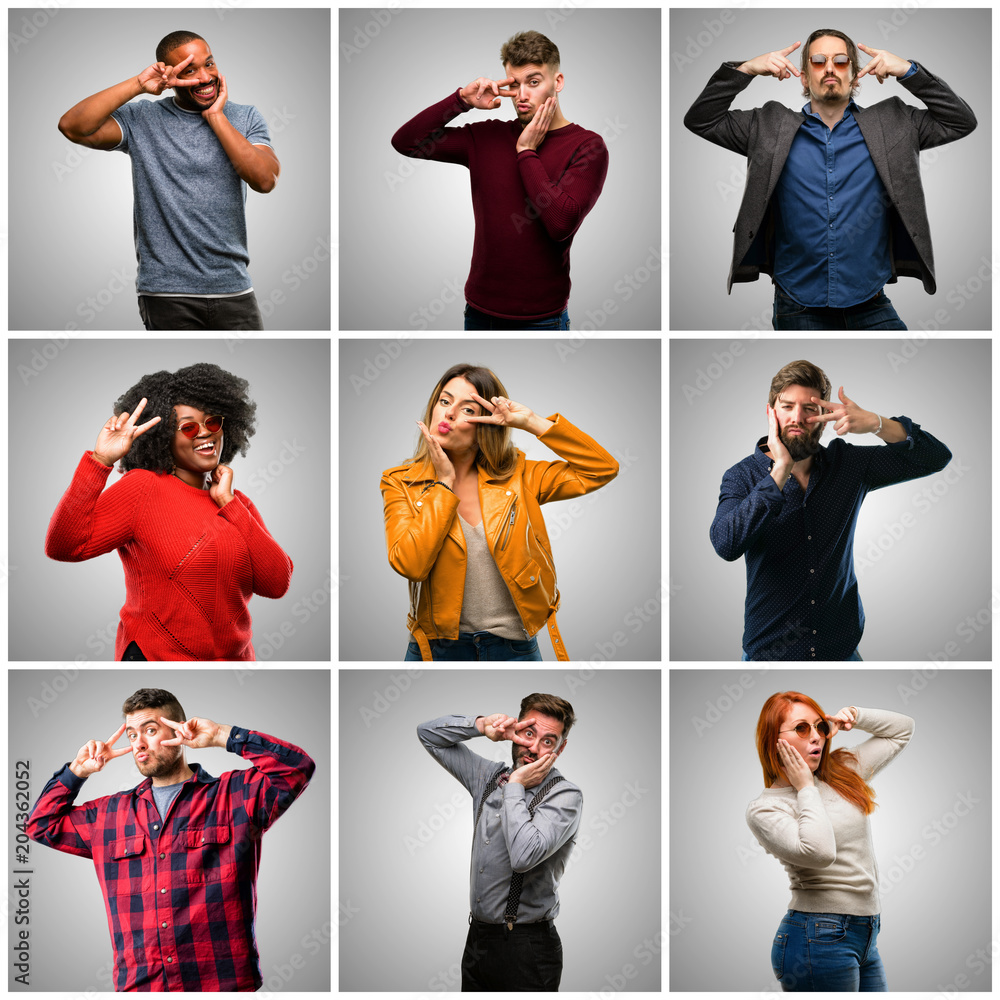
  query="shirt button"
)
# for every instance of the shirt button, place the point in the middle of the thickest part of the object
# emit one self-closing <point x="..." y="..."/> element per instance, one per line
<point x="478" y="900"/>
<point x="156" y="826"/>
<point x="532" y="579"/>
<point x="420" y="503"/>
<point x="164" y="924"/>
<point x="480" y="872"/>
<point x="508" y="492"/>
<point x="812" y="602"/>
<point x="810" y="537"/>
<point x="162" y="856"/>
<point x="487" y="843"/>
<point x="813" y="648"/>
<point x="814" y="631"/>
<point x="812" y="571"/>
<point x="169" y="959"/>
<point x="163" y="890"/>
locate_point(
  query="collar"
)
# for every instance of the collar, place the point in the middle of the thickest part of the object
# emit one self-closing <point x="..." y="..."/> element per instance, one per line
<point x="424" y="472"/>
<point x="850" y="109"/>
<point x="200" y="776"/>
<point x="173" y="102"/>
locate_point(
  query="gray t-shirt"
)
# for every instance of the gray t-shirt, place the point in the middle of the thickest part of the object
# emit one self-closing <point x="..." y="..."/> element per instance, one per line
<point x="189" y="219"/>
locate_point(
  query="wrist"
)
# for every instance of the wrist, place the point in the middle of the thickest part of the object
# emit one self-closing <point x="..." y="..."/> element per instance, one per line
<point x="107" y="463"/>
<point x="448" y="482"/>
<point x="479" y="725"/>
<point x="74" y="767"/>
<point x="222" y="733"/>
<point x="876" y="423"/>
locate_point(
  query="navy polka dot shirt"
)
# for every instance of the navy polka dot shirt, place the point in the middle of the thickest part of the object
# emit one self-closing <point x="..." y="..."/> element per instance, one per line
<point x="802" y="595"/>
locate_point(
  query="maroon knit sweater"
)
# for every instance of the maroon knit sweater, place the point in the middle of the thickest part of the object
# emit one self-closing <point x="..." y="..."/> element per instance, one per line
<point x="528" y="205"/>
<point x="190" y="565"/>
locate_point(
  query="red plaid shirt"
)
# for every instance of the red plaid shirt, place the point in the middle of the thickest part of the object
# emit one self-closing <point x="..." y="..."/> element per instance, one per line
<point x="180" y="892"/>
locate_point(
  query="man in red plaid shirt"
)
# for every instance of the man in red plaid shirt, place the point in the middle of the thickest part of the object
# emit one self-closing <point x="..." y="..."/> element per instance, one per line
<point x="176" y="856"/>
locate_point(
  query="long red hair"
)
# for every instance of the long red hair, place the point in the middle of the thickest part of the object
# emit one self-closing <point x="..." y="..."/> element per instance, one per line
<point x="833" y="767"/>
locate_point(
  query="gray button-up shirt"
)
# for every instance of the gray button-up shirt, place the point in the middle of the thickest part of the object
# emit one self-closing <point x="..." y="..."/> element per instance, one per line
<point x="507" y="838"/>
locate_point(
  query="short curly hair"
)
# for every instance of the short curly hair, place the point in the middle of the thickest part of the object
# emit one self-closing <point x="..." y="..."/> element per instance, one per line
<point x="206" y="387"/>
<point x="176" y="38"/>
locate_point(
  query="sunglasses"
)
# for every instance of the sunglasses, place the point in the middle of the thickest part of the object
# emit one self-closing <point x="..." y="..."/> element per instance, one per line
<point x="817" y="59"/>
<point x="190" y="427"/>
<point x="802" y="729"/>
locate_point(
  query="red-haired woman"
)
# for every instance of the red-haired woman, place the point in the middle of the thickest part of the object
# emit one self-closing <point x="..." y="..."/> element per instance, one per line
<point x="813" y="817"/>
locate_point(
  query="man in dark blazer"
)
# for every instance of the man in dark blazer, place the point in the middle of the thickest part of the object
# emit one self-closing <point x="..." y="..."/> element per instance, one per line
<point x="833" y="207"/>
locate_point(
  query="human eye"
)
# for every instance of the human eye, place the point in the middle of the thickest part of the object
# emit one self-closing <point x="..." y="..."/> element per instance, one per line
<point x="131" y="736"/>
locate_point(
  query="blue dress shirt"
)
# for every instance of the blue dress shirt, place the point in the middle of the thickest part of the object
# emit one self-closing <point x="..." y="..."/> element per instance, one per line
<point x="802" y="595"/>
<point x="832" y="219"/>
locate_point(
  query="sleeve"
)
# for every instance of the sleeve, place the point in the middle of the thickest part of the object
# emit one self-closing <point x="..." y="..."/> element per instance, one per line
<point x="257" y="133"/>
<point x="127" y="118"/>
<point x="742" y="512"/>
<point x="443" y="738"/>
<point x="563" y="204"/>
<point x="426" y="138"/>
<point x="88" y="522"/>
<point x="586" y="466"/>
<point x="805" y="839"/>
<point x="56" y="822"/>
<point x="272" y="569"/>
<point x="415" y="534"/>
<point x="890" y="733"/>
<point x="919" y="455"/>
<point x="557" y="818"/>
<point x="278" y="777"/>
<point x="710" y="116"/>
<point x="946" y="118"/>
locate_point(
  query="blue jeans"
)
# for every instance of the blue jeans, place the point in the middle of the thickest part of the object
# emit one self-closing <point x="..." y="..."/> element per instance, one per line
<point x="478" y="646"/>
<point x="476" y="320"/>
<point x="856" y="655"/>
<point x="875" y="314"/>
<point x="834" y="952"/>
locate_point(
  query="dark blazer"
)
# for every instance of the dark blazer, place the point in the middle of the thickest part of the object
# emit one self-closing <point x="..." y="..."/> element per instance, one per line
<point x="894" y="132"/>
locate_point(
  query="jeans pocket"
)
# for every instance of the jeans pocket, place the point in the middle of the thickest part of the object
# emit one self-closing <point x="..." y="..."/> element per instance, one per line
<point x="522" y="646"/>
<point x="829" y="930"/>
<point x="778" y="954"/>
<point x="784" y="305"/>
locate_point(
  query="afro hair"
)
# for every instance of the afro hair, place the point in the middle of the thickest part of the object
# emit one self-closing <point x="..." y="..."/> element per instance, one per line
<point x="204" y="386"/>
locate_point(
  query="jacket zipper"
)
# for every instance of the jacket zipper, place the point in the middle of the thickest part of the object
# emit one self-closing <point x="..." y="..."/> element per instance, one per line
<point x="510" y="525"/>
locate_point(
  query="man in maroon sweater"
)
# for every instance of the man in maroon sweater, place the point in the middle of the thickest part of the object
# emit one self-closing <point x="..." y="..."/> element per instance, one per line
<point x="533" y="181"/>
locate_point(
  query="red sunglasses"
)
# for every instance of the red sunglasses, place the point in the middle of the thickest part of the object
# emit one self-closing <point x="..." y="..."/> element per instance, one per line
<point x="190" y="427"/>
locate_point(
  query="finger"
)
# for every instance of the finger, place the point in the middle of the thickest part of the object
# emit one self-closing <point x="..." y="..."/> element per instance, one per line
<point x="482" y="402"/>
<point x="113" y="739"/>
<point x="183" y="63"/>
<point x="824" y="418"/>
<point x="479" y="93"/>
<point x="823" y="402"/>
<point x="120" y="752"/>
<point x="791" y="48"/>
<point x="793" y="68"/>
<point x="842" y="395"/>
<point x="524" y="724"/>
<point x="142" y="428"/>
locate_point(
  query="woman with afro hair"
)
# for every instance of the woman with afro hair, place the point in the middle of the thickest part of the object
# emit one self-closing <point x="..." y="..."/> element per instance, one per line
<point x="813" y="817"/>
<point x="194" y="549"/>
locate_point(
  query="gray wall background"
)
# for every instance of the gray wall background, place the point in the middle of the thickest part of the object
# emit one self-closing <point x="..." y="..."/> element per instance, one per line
<point x="61" y="392"/>
<point x="404" y="861"/>
<point x="409" y="223"/>
<point x="917" y="588"/>
<point x="71" y="221"/>
<point x="606" y="546"/>
<point x="934" y="860"/>
<point x="706" y="181"/>
<point x="52" y="713"/>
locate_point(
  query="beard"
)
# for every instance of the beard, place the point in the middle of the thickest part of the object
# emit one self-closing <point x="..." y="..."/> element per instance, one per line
<point x="158" y="766"/>
<point x="802" y="445"/>
<point x="518" y="753"/>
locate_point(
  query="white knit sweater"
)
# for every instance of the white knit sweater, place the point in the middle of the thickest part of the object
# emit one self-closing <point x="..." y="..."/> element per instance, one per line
<point x="823" y="840"/>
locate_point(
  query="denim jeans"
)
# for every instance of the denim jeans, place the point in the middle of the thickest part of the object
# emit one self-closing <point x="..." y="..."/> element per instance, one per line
<point x="856" y="655"/>
<point x="828" y="952"/>
<point x="177" y="312"/>
<point x="476" y="320"/>
<point x="875" y="314"/>
<point x="478" y="646"/>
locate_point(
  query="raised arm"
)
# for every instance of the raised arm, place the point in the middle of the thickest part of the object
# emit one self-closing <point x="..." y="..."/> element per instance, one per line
<point x="89" y="123"/>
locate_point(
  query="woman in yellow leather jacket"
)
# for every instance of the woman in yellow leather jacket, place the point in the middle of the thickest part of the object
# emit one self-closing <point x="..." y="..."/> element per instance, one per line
<point x="463" y="521"/>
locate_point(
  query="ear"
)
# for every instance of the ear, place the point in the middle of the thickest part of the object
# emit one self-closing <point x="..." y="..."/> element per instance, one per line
<point x="563" y="747"/>
<point x="560" y="81"/>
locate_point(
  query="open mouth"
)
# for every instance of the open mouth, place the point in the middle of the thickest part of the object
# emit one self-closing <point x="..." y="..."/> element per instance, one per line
<point x="206" y="93"/>
<point x="206" y="450"/>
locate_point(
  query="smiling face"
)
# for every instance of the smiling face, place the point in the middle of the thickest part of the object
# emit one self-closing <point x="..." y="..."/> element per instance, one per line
<point x="545" y="736"/>
<point x="146" y="734"/>
<point x="195" y="457"/>
<point x="447" y="425"/>
<point x="201" y="68"/>
<point x="812" y="744"/>
<point x="792" y="409"/>
<point x="828" y="82"/>
<point x="534" y="84"/>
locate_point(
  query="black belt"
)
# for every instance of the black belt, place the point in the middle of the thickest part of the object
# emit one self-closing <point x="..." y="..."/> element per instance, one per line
<point x="502" y="930"/>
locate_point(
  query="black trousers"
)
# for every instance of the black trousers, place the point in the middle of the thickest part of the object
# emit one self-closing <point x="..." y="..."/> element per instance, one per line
<point x="528" y="957"/>
<point x="236" y="312"/>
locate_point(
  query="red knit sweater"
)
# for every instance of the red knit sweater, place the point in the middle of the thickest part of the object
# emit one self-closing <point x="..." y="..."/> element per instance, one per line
<point x="528" y="206"/>
<point x="190" y="566"/>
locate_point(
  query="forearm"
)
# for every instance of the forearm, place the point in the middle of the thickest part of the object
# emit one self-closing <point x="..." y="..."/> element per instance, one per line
<point x="221" y="737"/>
<point x="272" y="568"/>
<point x="414" y="538"/>
<point x="892" y="430"/>
<point x="252" y="165"/>
<point x="738" y="520"/>
<point x="91" y="113"/>
<point x="560" y="211"/>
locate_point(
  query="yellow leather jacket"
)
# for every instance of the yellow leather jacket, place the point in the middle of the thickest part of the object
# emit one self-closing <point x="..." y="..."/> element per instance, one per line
<point x="425" y="542"/>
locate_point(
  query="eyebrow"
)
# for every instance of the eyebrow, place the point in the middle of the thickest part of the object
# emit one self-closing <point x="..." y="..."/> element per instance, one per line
<point x="797" y="721"/>
<point x="791" y="402"/>
<point x="474" y="403"/>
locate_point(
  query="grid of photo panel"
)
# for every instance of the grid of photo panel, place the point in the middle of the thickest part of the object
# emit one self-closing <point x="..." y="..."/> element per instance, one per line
<point x="437" y="333"/>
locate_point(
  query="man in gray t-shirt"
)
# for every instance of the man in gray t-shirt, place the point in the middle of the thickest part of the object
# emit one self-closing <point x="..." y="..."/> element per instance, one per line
<point x="193" y="155"/>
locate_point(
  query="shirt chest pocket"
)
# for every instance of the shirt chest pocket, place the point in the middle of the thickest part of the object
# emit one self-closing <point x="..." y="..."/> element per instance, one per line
<point x="124" y="866"/>
<point x="205" y="856"/>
